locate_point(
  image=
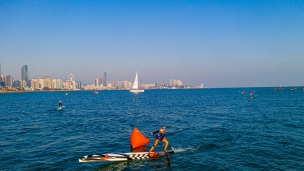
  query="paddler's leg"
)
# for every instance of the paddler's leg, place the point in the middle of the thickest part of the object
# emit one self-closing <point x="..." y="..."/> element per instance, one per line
<point x="166" y="144"/>
<point x="154" y="145"/>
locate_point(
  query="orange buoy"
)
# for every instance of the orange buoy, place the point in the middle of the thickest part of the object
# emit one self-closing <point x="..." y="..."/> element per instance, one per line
<point x="139" y="149"/>
<point x="137" y="139"/>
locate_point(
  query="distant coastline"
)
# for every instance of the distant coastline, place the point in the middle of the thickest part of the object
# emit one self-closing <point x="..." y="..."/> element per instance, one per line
<point x="293" y="88"/>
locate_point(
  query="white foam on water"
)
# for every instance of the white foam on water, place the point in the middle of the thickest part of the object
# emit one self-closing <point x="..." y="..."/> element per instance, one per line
<point x="178" y="150"/>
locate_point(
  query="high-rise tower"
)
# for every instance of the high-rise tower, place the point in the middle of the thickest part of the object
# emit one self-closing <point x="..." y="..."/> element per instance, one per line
<point x="100" y="81"/>
<point x="97" y="83"/>
<point x="24" y="73"/>
<point x="104" y="79"/>
<point x="71" y="77"/>
<point x="9" y="81"/>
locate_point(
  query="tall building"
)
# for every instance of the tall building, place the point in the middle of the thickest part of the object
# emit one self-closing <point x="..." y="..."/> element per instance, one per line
<point x="23" y="83"/>
<point x="120" y="84"/>
<point x="71" y="77"/>
<point x="59" y="83"/>
<point x="104" y="79"/>
<point x="48" y="83"/>
<point x="126" y="84"/>
<point x="54" y="83"/>
<point x="9" y="81"/>
<point x="71" y="83"/>
<point x="68" y="84"/>
<point x="179" y="83"/>
<point x="175" y="83"/>
<point x="2" y="80"/>
<point x="79" y="85"/>
<point x="100" y="81"/>
<point x="97" y="81"/>
<point x="17" y="83"/>
<point x="34" y="83"/>
<point x="24" y="73"/>
<point x="42" y="83"/>
<point x="170" y="82"/>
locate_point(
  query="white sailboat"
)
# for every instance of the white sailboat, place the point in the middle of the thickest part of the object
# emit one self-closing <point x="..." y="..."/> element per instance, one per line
<point x="135" y="88"/>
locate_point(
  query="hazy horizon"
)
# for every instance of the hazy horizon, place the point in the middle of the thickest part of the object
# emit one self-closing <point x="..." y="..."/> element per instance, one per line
<point x="218" y="43"/>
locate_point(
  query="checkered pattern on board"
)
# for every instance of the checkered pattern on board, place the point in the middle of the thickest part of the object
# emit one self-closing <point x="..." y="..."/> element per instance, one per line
<point x="139" y="156"/>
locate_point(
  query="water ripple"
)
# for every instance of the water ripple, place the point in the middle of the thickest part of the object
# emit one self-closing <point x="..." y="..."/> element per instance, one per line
<point x="210" y="129"/>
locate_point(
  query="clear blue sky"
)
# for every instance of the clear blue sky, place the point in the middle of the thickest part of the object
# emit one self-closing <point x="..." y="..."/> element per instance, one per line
<point x="218" y="43"/>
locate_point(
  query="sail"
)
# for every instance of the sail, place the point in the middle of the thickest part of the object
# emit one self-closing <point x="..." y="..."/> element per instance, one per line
<point x="135" y="85"/>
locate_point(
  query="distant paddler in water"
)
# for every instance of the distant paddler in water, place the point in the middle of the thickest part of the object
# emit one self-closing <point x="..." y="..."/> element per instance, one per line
<point x="60" y="104"/>
<point x="160" y="137"/>
<point x="250" y="95"/>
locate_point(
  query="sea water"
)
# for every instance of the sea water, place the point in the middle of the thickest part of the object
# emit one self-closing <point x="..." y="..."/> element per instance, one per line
<point x="210" y="129"/>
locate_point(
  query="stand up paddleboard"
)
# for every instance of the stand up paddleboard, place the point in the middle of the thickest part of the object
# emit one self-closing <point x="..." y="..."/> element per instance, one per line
<point x="123" y="156"/>
<point x="59" y="108"/>
<point x="137" y="140"/>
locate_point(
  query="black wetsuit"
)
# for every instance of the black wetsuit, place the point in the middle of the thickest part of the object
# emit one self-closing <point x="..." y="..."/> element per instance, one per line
<point x="60" y="104"/>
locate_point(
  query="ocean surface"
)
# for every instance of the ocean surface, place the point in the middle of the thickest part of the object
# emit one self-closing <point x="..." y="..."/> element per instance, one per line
<point x="210" y="129"/>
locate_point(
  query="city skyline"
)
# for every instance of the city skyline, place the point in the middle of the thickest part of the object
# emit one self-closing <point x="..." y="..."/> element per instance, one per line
<point x="218" y="43"/>
<point x="47" y="83"/>
<point x="103" y="80"/>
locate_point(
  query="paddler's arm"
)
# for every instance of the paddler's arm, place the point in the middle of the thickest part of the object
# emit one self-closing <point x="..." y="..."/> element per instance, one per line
<point x="152" y="133"/>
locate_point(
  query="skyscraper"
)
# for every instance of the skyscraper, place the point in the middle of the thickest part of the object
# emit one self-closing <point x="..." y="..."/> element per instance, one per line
<point x="170" y="82"/>
<point x="9" y="81"/>
<point x="104" y="79"/>
<point x="71" y="83"/>
<point x="97" y="81"/>
<point x="2" y="80"/>
<point x="71" y="77"/>
<point x="100" y="81"/>
<point x="79" y="85"/>
<point x="24" y="73"/>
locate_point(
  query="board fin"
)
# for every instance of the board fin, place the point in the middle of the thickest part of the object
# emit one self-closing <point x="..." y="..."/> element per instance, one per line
<point x="137" y="139"/>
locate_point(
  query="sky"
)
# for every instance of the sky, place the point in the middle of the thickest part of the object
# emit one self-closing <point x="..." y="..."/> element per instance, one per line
<point x="218" y="43"/>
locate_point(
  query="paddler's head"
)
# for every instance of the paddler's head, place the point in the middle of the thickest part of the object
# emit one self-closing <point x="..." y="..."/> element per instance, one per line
<point x="162" y="129"/>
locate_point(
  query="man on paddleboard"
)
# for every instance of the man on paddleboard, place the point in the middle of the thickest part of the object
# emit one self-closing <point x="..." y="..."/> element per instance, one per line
<point x="60" y="103"/>
<point x="160" y="137"/>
